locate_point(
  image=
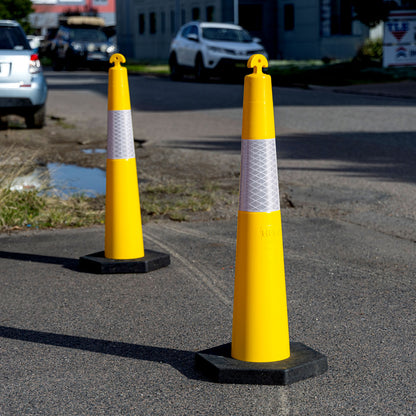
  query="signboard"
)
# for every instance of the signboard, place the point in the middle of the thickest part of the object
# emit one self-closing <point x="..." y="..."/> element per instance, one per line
<point x="399" y="45"/>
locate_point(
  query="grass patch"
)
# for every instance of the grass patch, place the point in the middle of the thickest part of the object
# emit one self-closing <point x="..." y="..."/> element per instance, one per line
<point x="34" y="208"/>
<point x="175" y="201"/>
<point x="156" y="67"/>
<point x="31" y="209"/>
<point x="289" y="73"/>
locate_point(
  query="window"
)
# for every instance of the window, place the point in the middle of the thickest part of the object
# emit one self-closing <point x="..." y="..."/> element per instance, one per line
<point x="195" y="13"/>
<point x="141" y="24"/>
<point x="210" y="13"/>
<point x="152" y="23"/>
<point x="341" y="17"/>
<point x="172" y="21"/>
<point x="289" y="16"/>
<point x="163" y="22"/>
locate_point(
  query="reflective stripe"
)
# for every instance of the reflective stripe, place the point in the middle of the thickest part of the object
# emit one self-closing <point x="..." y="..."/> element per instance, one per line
<point x="259" y="187"/>
<point x="120" y="140"/>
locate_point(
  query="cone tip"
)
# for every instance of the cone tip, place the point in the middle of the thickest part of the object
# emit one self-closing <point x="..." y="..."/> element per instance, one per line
<point x="257" y="62"/>
<point x="117" y="59"/>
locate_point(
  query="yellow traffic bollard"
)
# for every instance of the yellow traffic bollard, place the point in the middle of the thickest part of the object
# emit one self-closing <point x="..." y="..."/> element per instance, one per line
<point x="260" y="324"/>
<point x="123" y="249"/>
<point x="260" y="351"/>
<point x="123" y="226"/>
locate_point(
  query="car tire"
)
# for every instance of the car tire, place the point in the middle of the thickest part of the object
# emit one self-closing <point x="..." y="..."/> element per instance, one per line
<point x="200" y="70"/>
<point x="36" y="119"/>
<point x="175" y="71"/>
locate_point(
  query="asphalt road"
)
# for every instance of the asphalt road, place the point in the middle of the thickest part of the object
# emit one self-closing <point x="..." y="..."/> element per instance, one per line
<point x="340" y="152"/>
<point x="73" y="343"/>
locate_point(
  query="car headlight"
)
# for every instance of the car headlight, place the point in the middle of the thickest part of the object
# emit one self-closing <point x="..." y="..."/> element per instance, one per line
<point x="91" y="47"/>
<point x="111" y="49"/>
<point x="216" y="49"/>
<point x="76" y="46"/>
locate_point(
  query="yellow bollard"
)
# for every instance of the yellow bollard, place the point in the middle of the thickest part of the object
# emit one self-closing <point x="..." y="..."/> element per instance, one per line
<point x="260" y="324"/>
<point x="123" y="247"/>
<point x="123" y="227"/>
<point x="260" y="351"/>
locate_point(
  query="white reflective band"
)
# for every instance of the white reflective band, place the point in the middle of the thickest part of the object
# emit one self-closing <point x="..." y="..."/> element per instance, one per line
<point x="120" y="140"/>
<point x="259" y="187"/>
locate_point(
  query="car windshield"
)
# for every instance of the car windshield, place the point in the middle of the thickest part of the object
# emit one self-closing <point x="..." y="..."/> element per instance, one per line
<point x="87" y="35"/>
<point x="12" y="37"/>
<point x="225" y="34"/>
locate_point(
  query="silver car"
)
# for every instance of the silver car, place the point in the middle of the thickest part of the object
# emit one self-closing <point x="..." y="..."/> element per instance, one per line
<point x="23" y="88"/>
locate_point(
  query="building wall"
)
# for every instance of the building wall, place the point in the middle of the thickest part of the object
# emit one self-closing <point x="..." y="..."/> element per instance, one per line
<point x="321" y="29"/>
<point x="146" y="27"/>
<point x="289" y="29"/>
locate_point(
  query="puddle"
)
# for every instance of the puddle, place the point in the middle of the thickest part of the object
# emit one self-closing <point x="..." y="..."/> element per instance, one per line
<point x="94" y="151"/>
<point x="63" y="180"/>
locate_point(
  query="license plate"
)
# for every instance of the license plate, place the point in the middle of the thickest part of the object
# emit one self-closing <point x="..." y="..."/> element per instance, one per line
<point x="96" y="56"/>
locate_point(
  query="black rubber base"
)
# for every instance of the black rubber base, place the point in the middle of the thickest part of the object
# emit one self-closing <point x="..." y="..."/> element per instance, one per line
<point x="97" y="263"/>
<point x="304" y="362"/>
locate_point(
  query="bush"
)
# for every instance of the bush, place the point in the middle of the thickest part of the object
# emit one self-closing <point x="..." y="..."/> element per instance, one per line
<point x="370" y="52"/>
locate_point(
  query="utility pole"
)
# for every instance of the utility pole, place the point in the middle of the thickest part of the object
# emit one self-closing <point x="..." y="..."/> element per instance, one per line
<point x="236" y="12"/>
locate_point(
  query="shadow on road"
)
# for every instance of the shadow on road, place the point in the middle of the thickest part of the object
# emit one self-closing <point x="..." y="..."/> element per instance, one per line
<point x="160" y="94"/>
<point x="387" y="156"/>
<point x="182" y="361"/>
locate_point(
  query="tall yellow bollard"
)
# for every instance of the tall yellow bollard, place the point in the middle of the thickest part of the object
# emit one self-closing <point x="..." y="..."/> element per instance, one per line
<point x="123" y="249"/>
<point x="123" y="226"/>
<point x="260" y="351"/>
<point x="260" y="324"/>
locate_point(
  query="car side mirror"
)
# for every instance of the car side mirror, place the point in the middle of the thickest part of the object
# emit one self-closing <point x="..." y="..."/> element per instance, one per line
<point x="256" y="40"/>
<point x="193" y="37"/>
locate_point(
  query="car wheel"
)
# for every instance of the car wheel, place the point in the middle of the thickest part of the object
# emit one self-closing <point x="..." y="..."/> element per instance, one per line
<point x="200" y="70"/>
<point x="36" y="120"/>
<point x="175" y="72"/>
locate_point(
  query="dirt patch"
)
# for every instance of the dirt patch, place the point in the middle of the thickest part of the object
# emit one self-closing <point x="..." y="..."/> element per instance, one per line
<point x="174" y="183"/>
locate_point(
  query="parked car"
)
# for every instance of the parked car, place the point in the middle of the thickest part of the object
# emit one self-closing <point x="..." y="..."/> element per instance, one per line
<point x="23" y="89"/>
<point x="81" y="42"/>
<point x="207" y="48"/>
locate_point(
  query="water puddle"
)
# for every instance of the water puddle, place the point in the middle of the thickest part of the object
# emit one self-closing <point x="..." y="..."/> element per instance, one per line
<point x="94" y="151"/>
<point x="63" y="180"/>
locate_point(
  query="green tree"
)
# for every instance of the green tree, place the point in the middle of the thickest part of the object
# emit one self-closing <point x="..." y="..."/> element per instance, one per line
<point x="16" y="10"/>
<point x="372" y="12"/>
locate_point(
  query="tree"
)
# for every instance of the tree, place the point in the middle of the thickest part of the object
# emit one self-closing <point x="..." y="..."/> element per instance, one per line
<point x="372" y="12"/>
<point x="16" y="10"/>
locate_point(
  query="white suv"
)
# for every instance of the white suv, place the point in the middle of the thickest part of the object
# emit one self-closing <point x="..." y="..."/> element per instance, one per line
<point x="206" y="48"/>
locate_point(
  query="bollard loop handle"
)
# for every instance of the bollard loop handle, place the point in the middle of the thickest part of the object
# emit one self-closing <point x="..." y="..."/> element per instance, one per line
<point x="117" y="59"/>
<point x="257" y="62"/>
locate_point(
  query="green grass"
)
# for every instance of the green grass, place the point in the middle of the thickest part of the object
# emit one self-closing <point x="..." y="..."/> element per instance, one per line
<point x="175" y="201"/>
<point x="289" y="73"/>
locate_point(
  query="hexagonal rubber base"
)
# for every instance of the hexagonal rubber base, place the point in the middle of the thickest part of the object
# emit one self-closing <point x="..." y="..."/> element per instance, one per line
<point x="98" y="263"/>
<point x="304" y="362"/>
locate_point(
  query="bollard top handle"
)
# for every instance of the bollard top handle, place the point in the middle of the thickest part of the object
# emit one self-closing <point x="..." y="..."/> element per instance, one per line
<point x="117" y="59"/>
<point x="257" y="62"/>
